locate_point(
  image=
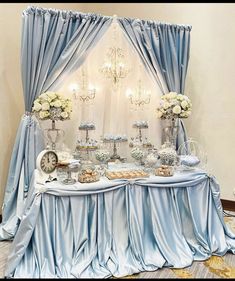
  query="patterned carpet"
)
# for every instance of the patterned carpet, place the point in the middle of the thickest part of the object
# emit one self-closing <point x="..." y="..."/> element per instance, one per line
<point x="214" y="267"/>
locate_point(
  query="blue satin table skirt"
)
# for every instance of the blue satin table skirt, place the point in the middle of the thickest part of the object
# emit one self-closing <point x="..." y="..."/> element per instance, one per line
<point x="118" y="228"/>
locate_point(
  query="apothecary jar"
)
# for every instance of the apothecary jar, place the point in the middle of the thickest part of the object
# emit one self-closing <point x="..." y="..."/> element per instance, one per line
<point x="87" y="172"/>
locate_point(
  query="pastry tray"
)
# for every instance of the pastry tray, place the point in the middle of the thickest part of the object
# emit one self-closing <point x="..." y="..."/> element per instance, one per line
<point x="131" y="174"/>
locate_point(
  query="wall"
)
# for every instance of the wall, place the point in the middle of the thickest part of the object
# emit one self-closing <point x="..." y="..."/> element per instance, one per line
<point x="209" y="81"/>
<point x="11" y="96"/>
<point x="210" y="78"/>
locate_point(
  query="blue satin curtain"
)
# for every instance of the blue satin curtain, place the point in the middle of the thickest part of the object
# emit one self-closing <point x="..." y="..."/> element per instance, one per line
<point x="53" y="44"/>
<point x="164" y="50"/>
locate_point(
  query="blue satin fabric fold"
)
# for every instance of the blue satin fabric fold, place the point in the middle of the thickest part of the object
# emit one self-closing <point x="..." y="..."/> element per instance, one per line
<point x="117" y="228"/>
<point x="54" y="44"/>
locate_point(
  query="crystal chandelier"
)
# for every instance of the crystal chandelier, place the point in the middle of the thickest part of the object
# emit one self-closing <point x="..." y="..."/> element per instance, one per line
<point x="139" y="97"/>
<point x="85" y="92"/>
<point x="114" y="66"/>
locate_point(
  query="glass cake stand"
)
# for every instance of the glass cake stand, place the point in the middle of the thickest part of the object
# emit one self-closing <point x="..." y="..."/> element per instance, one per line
<point x="115" y="156"/>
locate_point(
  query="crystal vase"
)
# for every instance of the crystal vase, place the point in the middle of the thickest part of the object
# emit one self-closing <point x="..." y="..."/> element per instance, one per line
<point x="53" y="135"/>
<point x="170" y="131"/>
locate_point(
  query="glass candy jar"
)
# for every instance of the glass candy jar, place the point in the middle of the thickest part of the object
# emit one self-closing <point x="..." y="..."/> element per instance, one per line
<point x="151" y="160"/>
<point x="87" y="173"/>
<point x="64" y="173"/>
<point x="167" y="154"/>
<point x="138" y="154"/>
<point x="102" y="155"/>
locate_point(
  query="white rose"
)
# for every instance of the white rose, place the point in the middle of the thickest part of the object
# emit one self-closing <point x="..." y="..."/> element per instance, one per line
<point x="43" y="114"/>
<point x="166" y="105"/>
<point x="184" y="104"/>
<point x="45" y="106"/>
<point x="57" y="103"/>
<point x="172" y="95"/>
<point x="37" y="106"/>
<point x="64" y="115"/>
<point x="44" y="96"/>
<point x="176" y="109"/>
<point x="51" y="95"/>
<point x="63" y="103"/>
<point x="180" y="97"/>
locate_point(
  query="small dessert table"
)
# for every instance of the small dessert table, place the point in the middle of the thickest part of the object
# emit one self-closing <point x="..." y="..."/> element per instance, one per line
<point x="119" y="227"/>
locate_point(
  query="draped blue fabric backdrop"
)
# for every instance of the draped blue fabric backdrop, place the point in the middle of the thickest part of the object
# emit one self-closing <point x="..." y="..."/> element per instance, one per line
<point x="54" y="43"/>
<point x="164" y="50"/>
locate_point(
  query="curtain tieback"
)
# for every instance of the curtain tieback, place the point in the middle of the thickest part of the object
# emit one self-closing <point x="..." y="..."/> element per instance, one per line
<point x="28" y="113"/>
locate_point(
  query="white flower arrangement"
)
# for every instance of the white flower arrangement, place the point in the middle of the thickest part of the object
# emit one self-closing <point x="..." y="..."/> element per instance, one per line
<point x="140" y="124"/>
<point x="87" y="126"/>
<point x="54" y="106"/>
<point x="102" y="155"/>
<point x="137" y="153"/>
<point x="173" y="105"/>
<point x="114" y="138"/>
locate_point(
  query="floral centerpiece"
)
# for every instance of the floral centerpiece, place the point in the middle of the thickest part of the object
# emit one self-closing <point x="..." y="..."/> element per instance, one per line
<point x="54" y="106"/>
<point x="173" y="105"/>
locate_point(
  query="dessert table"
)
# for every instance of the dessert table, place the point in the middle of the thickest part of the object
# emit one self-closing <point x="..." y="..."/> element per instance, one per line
<point x="119" y="227"/>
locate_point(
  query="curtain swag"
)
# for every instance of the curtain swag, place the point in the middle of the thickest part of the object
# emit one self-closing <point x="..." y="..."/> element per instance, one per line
<point x="74" y="14"/>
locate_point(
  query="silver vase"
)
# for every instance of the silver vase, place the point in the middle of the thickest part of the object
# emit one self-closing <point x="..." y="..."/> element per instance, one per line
<point x="53" y="135"/>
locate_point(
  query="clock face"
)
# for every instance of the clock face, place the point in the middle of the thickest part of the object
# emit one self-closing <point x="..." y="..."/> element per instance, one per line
<point x="48" y="162"/>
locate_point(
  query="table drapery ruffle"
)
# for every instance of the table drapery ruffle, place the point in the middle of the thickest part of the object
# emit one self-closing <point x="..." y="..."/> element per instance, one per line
<point x="118" y="228"/>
